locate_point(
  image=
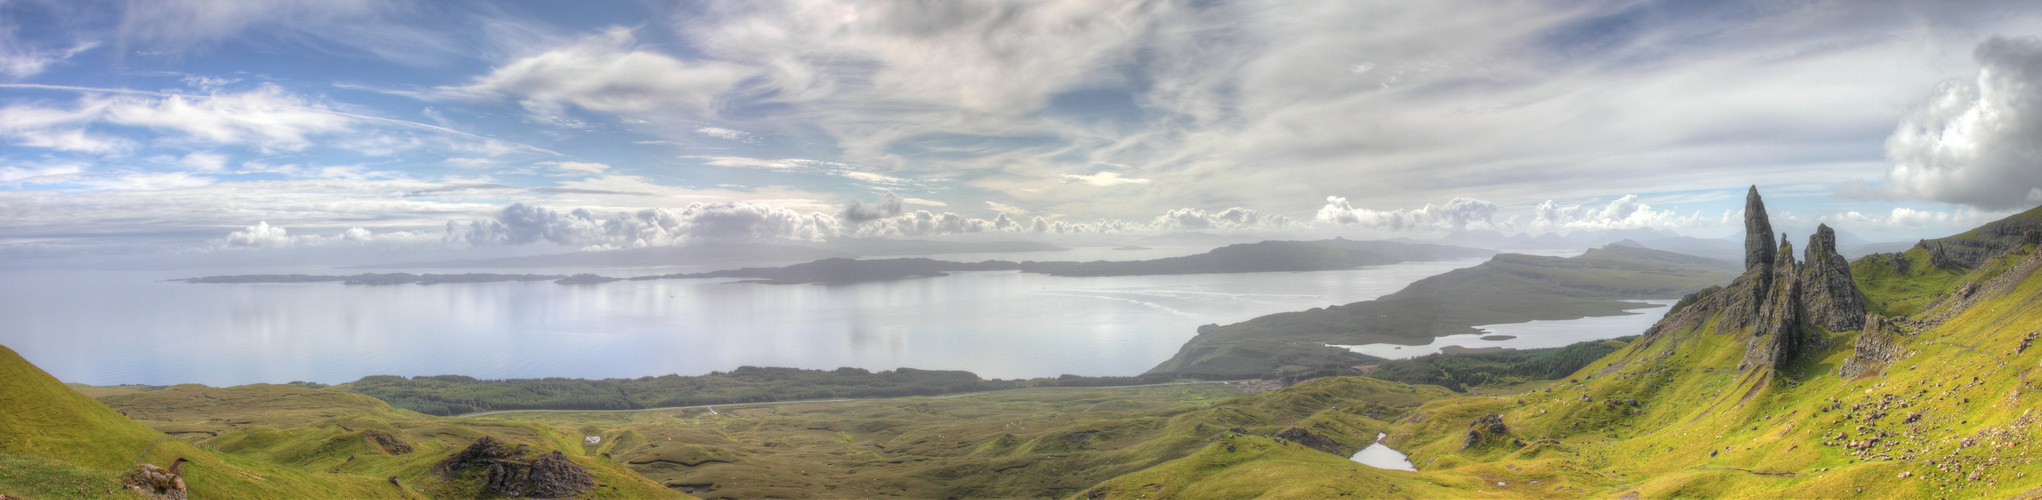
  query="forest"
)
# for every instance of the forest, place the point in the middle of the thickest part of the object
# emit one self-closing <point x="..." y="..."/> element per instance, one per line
<point x="1460" y="372"/>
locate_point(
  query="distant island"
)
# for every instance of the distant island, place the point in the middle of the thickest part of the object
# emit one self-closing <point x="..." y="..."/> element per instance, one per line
<point x="394" y="278"/>
<point x="732" y="254"/>
<point x="1267" y="256"/>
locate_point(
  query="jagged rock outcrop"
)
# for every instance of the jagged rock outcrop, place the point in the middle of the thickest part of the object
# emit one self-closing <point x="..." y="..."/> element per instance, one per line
<point x="1758" y="252"/>
<point x="1829" y="297"/>
<point x="1778" y="335"/>
<point x="1747" y="295"/>
<point x="512" y="471"/>
<point x="1482" y="429"/>
<point x="1884" y="341"/>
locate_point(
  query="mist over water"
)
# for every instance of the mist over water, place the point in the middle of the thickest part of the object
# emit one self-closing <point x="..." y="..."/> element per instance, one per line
<point x="113" y="327"/>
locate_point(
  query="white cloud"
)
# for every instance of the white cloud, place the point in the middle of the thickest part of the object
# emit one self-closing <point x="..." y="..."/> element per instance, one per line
<point x="1625" y="212"/>
<point x="1974" y="141"/>
<point x="728" y="134"/>
<point x="857" y="212"/>
<point x="264" y="236"/>
<point x="147" y="181"/>
<point x="1910" y="218"/>
<point x="39" y="175"/>
<point x="1104" y="179"/>
<point x="1005" y="208"/>
<point x="204" y="161"/>
<point x="843" y="170"/>
<point x="1458" y="213"/>
<point x="605" y="72"/>
<point x="922" y="202"/>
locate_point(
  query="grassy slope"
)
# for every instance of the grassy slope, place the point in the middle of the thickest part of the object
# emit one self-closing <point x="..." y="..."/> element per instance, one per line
<point x="1027" y="443"/>
<point x="298" y="428"/>
<point x="1702" y="429"/>
<point x="1509" y="288"/>
<point x="72" y="436"/>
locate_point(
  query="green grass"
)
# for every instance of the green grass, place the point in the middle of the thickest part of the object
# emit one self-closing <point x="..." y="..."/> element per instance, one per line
<point x="30" y="476"/>
<point x="1703" y="429"/>
<point x="1027" y="443"/>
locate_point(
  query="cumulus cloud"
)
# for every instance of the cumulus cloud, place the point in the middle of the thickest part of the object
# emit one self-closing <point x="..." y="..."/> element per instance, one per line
<point x="857" y="212"/>
<point x="520" y="224"/>
<point x="1910" y="218"/>
<point x="1626" y="212"/>
<point x="1458" y="213"/>
<point x="606" y="72"/>
<point x="264" y="236"/>
<point x="1975" y="142"/>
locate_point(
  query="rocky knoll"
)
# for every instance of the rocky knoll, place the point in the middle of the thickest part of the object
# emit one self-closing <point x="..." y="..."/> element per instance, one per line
<point x="514" y="472"/>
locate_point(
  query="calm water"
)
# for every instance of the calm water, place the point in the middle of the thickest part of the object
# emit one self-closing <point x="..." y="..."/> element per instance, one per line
<point x="1383" y="457"/>
<point x="108" y="327"/>
<point x="1534" y="334"/>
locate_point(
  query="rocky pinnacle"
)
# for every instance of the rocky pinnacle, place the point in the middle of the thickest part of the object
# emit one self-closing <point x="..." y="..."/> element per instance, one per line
<point x="1758" y="233"/>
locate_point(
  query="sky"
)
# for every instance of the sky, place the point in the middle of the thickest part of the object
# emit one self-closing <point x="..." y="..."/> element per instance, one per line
<point x="243" y="126"/>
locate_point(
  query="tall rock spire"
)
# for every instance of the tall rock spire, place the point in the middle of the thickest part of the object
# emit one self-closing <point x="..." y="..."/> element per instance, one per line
<point x="1758" y="233"/>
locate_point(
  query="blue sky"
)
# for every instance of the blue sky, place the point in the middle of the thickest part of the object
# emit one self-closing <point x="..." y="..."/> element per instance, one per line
<point x="222" y="125"/>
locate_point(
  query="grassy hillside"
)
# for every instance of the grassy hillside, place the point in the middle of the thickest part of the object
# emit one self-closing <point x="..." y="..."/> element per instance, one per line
<point x="1948" y="409"/>
<point x="69" y="445"/>
<point x="1028" y="443"/>
<point x="1509" y="288"/>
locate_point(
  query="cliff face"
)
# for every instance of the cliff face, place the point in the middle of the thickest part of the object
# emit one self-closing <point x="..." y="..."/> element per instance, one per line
<point x="1829" y="298"/>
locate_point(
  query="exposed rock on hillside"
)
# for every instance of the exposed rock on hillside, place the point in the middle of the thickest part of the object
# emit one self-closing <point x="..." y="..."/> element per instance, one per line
<point x="1775" y="340"/>
<point x="386" y="442"/>
<point x="1883" y="342"/>
<point x="1482" y="429"/>
<point x="1310" y="440"/>
<point x="156" y="482"/>
<point x="510" y="471"/>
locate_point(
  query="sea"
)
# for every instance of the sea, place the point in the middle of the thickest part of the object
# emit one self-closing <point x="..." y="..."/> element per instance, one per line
<point x="106" y="327"/>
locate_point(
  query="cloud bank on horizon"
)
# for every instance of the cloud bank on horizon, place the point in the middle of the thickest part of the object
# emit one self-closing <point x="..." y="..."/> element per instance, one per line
<point x="186" y="124"/>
